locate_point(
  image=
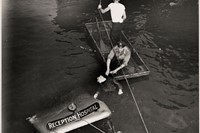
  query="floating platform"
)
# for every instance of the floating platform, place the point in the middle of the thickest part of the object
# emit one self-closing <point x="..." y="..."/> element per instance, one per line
<point x="136" y="66"/>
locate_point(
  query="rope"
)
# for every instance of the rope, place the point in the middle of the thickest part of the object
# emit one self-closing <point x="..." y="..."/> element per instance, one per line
<point x="126" y="80"/>
<point x="94" y="126"/>
<point x="105" y="27"/>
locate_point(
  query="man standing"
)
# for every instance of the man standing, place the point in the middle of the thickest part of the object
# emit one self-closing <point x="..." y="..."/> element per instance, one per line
<point x="118" y="15"/>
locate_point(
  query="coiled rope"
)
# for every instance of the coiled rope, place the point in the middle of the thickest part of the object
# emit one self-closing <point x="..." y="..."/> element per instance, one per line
<point x="134" y="99"/>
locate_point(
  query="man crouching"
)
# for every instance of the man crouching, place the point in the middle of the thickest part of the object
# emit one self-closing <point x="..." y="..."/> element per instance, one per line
<point x="122" y="54"/>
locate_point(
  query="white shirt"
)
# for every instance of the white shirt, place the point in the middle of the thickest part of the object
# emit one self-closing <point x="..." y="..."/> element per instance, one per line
<point x="116" y="10"/>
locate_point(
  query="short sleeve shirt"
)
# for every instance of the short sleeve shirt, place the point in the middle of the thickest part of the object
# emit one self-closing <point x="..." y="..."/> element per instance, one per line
<point x="116" y="10"/>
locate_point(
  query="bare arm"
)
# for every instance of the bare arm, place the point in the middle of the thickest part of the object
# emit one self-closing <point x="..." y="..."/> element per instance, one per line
<point x="127" y="57"/>
<point x="124" y="15"/>
<point x="110" y="57"/>
<point x="117" y="69"/>
<point x="104" y="10"/>
<point x="108" y="66"/>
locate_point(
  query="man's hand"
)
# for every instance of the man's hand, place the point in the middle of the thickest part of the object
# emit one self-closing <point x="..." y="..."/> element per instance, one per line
<point x="99" y="6"/>
<point x="107" y="72"/>
<point x="114" y="71"/>
<point x="134" y="51"/>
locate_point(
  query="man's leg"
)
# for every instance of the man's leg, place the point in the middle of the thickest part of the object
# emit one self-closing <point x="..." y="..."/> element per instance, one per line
<point x="120" y="92"/>
<point x="114" y="33"/>
<point x="96" y="94"/>
<point x="119" y="30"/>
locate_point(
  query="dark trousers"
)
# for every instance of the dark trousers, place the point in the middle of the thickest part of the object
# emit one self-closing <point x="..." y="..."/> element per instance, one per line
<point x="116" y="32"/>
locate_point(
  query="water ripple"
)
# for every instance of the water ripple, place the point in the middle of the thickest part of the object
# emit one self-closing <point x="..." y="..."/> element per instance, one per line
<point x="165" y="105"/>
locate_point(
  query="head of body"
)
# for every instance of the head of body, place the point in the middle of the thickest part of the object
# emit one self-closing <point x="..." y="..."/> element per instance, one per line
<point x="120" y="46"/>
<point x="122" y="52"/>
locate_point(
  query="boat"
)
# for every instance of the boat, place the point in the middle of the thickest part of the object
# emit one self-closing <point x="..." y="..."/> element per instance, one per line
<point x="99" y="33"/>
<point x="82" y="114"/>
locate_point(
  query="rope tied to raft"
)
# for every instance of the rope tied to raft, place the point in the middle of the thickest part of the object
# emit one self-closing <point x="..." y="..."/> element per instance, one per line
<point x="132" y="94"/>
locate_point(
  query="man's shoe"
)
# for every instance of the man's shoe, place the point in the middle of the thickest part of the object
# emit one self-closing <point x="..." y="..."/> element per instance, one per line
<point x="96" y="95"/>
<point x="120" y="92"/>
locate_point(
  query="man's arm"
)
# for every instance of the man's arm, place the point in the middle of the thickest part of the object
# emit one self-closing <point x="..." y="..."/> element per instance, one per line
<point x="127" y="57"/>
<point x="117" y="69"/>
<point x="108" y="66"/>
<point x="110" y="57"/>
<point x="103" y="10"/>
<point x="124" y="15"/>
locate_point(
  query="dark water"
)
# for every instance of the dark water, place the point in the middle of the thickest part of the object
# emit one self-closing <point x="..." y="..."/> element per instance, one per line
<point x="47" y="60"/>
